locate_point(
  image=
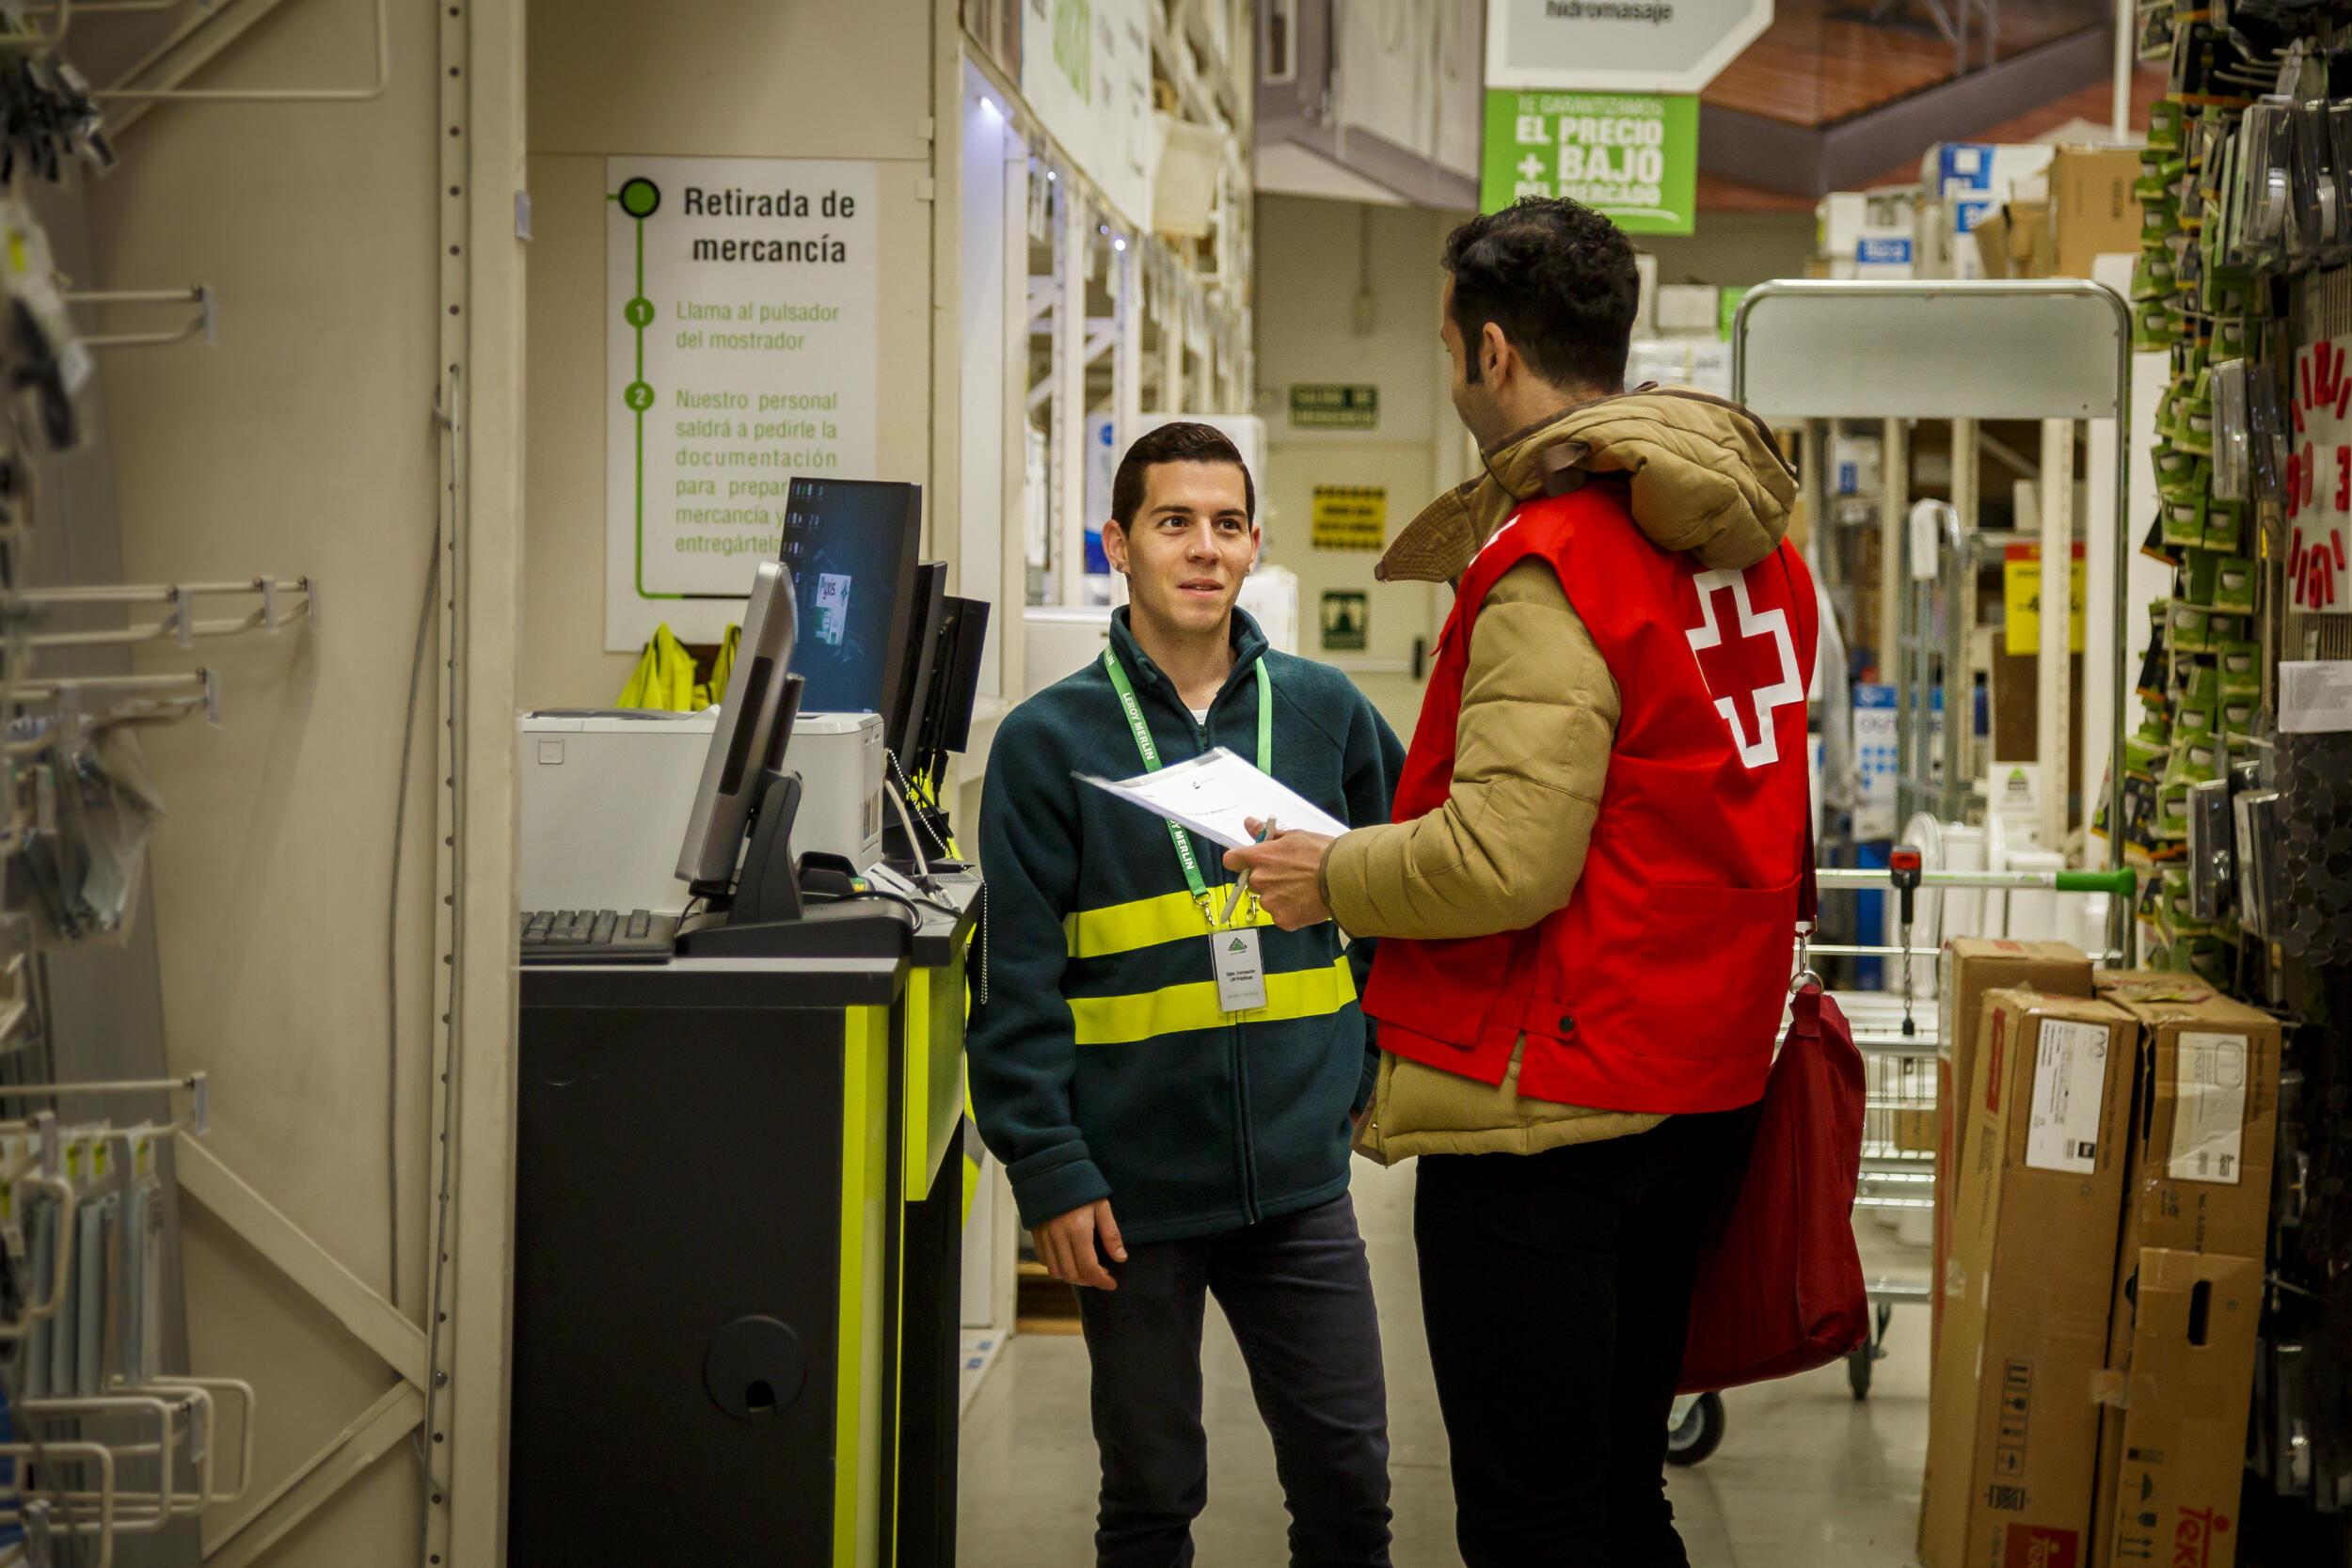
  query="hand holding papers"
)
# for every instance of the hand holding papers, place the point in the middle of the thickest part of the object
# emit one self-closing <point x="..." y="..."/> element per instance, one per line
<point x="1216" y="795"/>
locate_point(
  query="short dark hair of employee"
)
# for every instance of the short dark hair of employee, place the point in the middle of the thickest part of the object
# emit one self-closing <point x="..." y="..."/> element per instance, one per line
<point x="1182" y="441"/>
<point x="1558" y="278"/>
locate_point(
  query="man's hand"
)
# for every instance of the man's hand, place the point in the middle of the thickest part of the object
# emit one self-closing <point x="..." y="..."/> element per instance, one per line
<point x="1066" y="1246"/>
<point x="1286" y="874"/>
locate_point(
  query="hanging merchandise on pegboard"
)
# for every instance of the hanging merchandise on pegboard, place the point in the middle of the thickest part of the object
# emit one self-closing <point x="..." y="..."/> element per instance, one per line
<point x="2238" y="778"/>
<point x="103" y="1434"/>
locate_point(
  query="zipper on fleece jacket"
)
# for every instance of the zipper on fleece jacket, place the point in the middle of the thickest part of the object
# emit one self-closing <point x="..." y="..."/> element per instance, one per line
<point x="1246" y="1146"/>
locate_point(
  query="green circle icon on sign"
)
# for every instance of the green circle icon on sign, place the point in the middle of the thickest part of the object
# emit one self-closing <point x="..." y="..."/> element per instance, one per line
<point x="637" y="313"/>
<point x="640" y="197"/>
<point x="639" y="396"/>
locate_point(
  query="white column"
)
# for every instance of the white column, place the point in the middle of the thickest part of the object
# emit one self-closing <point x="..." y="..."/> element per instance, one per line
<point x="1127" y="352"/>
<point x="1068" y="409"/>
<point x="2055" y="726"/>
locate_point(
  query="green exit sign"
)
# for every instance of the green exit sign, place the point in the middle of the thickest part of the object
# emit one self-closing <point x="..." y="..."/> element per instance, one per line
<point x="1331" y="406"/>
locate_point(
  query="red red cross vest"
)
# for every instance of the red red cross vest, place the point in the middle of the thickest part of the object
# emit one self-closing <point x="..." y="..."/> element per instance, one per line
<point x="1659" y="986"/>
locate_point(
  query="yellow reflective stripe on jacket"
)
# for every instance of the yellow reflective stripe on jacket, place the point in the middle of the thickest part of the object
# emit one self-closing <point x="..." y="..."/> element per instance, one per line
<point x="1148" y="922"/>
<point x="1173" y="1010"/>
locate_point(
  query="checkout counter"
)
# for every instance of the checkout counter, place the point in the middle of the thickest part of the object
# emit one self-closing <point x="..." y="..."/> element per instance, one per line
<point x="739" y="1236"/>
<point x="738" y="1191"/>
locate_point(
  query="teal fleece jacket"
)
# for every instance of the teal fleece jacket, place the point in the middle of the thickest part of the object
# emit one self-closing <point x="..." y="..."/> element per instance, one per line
<point x="1101" y="1065"/>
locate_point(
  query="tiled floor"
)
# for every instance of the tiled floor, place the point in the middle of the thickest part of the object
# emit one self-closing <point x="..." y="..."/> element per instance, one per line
<point x="1806" y="1477"/>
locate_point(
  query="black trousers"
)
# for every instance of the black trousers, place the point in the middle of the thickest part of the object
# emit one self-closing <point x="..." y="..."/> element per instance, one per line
<point x="1297" y="1291"/>
<point x="1556" y="1292"/>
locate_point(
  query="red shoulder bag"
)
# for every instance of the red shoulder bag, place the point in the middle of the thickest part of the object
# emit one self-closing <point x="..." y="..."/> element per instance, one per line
<point x="1779" y="1287"/>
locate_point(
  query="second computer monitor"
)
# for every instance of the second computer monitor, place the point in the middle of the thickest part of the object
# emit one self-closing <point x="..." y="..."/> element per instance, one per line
<point x="851" y="546"/>
<point x="902" y="724"/>
<point x="945" y="723"/>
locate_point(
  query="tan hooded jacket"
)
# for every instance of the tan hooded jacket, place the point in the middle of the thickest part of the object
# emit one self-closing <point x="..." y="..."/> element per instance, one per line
<point x="1539" y="713"/>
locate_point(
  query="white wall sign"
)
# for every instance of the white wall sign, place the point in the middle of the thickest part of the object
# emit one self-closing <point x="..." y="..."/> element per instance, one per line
<point x="1618" y="45"/>
<point x="741" y="344"/>
<point x="1086" y="73"/>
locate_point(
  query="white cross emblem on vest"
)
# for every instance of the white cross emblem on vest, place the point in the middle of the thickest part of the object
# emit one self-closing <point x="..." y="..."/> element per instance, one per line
<point x="1743" y="668"/>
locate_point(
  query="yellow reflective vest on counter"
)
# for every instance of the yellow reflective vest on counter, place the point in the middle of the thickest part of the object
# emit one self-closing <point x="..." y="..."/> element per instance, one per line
<point x="664" y="676"/>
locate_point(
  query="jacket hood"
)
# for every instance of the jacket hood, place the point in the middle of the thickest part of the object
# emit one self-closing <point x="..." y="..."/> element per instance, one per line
<point x="1704" y="476"/>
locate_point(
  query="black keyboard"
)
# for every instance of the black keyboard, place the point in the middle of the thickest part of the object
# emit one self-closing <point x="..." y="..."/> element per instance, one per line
<point x="598" y="936"/>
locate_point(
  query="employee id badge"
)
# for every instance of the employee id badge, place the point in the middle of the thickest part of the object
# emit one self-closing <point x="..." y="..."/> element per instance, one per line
<point x="1240" y="970"/>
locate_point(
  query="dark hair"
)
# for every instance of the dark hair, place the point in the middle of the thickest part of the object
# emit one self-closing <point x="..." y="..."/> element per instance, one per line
<point x="1180" y="442"/>
<point x="1558" y="278"/>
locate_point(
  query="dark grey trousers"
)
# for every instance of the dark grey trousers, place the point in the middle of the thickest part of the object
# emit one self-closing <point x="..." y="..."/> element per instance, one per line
<point x="1297" y="1292"/>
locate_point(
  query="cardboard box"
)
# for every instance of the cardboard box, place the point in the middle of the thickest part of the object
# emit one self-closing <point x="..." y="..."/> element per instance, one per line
<point x="1970" y="970"/>
<point x="1869" y="234"/>
<point x="2205" y="1128"/>
<point x="2183" y="1458"/>
<point x="2092" y="209"/>
<point x="2013" y="241"/>
<point x="1646" y="306"/>
<point x="1912" y="1081"/>
<point x="1966" y="180"/>
<point x="1693" y="309"/>
<point x="2014" y="1432"/>
<point x="2204" y="1137"/>
<point x="1857" y="466"/>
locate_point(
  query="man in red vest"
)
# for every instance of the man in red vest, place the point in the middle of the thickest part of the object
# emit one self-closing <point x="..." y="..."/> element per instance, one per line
<point x="1586" y="901"/>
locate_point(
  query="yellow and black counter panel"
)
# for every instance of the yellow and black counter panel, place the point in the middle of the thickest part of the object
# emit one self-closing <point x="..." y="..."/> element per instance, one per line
<point x="738" y="1258"/>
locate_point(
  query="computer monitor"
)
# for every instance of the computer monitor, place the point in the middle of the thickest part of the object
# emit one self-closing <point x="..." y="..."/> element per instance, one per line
<point x="754" y="724"/>
<point x="955" y="682"/>
<point x="851" y="546"/>
<point x="902" y="725"/>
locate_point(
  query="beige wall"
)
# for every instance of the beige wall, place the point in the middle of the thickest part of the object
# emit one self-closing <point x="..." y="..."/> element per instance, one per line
<point x="305" y="443"/>
<point x="1310" y="273"/>
<point x="1311" y="265"/>
<point x="723" y="78"/>
<point x="1735" y="249"/>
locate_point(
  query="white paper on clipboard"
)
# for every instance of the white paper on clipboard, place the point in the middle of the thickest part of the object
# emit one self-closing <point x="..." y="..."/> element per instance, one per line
<point x="1217" y="794"/>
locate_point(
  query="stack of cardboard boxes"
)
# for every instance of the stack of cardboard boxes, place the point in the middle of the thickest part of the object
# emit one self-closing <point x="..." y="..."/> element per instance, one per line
<point x="2187" y="1296"/>
<point x="2079" y="207"/>
<point x="2103" y="1203"/>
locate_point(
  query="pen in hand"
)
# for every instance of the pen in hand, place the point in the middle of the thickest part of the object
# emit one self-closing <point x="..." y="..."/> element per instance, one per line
<point x="1242" y="887"/>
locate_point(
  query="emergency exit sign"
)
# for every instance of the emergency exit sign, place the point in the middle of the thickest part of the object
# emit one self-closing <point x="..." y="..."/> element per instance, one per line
<point x="1321" y="405"/>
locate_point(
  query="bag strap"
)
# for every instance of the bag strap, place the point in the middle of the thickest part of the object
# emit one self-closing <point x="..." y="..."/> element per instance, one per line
<point x="1808" y="885"/>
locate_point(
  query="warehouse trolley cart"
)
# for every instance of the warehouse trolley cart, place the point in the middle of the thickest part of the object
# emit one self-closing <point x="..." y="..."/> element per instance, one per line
<point x="1810" y="352"/>
<point x="1898" y="1038"/>
<point x="2055" y="350"/>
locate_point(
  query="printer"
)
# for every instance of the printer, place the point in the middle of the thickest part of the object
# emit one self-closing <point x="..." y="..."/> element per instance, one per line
<point x="603" y="793"/>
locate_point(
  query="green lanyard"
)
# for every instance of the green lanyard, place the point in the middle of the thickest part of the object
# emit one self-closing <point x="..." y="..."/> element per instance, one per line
<point x="1151" y="753"/>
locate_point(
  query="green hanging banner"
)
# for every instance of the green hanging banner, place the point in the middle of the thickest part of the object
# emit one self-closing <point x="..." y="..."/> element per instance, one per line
<point x="1632" y="157"/>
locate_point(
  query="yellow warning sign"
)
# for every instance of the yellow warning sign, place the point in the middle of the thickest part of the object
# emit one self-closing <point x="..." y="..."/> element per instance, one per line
<point x="2020" y="597"/>
<point x="1351" y="517"/>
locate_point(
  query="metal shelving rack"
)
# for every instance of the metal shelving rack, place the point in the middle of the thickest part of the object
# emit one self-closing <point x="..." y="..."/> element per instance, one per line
<point x="1813" y="352"/>
<point x="1806" y="352"/>
<point x="1931" y="651"/>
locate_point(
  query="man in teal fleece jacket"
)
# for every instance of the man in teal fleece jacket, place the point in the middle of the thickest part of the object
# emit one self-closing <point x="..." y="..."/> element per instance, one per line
<point x="1172" y="1090"/>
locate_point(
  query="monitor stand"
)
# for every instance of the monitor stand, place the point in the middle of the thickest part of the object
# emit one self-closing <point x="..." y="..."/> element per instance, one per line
<point x="766" y="917"/>
<point x="769" y="888"/>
